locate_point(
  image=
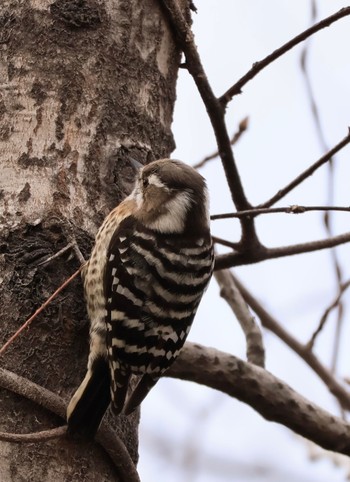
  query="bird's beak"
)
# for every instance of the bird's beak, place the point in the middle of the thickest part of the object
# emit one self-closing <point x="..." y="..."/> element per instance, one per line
<point x="135" y="164"/>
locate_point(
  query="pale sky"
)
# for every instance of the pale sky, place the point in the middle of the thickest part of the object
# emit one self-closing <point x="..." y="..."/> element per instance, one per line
<point x="193" y="434"/>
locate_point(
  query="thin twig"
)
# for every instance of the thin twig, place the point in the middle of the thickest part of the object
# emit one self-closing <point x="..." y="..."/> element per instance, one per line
<point x="308" y="85"/>
<point x="327" y="217"/>
<point x="331" y="307"/>
<point x="294" y="209"/>
<point x="251" y="330"/>
<point x="308" y="172"/>
<point x="78" y="253"/>
<point x="39" y="310"/>
<point x="56" y="255"/>
<point x="69" y="233"/>
<point x="223" y="242"/>
<point x="269" y="322"/>
<point x="260" y="65"/>
<point x="337" y="336"/>
<point x="216" y="115"/>
<point x="262" y="254"/>
<point x="242" y="127"/>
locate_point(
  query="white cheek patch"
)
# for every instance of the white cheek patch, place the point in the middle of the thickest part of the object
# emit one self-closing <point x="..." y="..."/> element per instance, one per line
<point x="173" y="221"/>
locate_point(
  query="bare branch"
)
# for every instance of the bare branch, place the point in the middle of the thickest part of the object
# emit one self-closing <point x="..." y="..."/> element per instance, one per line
<point x="27" y="389"/>
<point x="230" y="293"/>
<point x="216" y="114"/>
<point x="308" y="172"/>
<point x="294" y="209"/>
<point x="223" y="242"/>
<point x="327" y="217"/>
<point x="325" y="315"/>
<point x="69" y="233"/>
<point x="111" y="443"/>
<point x="118" y="453"/>
<point x="259" y="66"/>
<point x="267" y="394"/>
<point x="334" y="386"/>
<point x="56" y="255"/>
<point x="309" y="89"/>
<point x="35" y="437"/>
<point x="262" y="254"/>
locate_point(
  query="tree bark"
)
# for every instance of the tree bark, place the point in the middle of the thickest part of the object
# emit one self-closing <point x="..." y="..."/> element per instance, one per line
<point x="85" y="86"/>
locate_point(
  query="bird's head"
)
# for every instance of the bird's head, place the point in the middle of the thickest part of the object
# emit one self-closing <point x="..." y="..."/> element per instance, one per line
<point x="171" y="197"/>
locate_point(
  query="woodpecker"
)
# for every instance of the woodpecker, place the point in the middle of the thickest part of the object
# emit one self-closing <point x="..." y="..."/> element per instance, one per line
<point x="151" y="263"/>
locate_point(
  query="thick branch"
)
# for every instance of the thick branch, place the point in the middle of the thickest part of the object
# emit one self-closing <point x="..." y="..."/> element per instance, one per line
<point x="270" y="396"/>
<point x="259" y="66"/>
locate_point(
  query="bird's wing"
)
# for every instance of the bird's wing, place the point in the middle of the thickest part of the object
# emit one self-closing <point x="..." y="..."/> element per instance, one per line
<point x="125" y="303"/>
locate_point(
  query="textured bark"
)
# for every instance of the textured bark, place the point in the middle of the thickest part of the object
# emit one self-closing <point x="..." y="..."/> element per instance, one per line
<point x="85" y="84"/>
<point x="271" y="397"/>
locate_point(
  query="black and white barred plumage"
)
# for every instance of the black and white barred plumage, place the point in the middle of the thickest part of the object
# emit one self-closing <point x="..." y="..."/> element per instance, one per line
<point x="151" y="263"/>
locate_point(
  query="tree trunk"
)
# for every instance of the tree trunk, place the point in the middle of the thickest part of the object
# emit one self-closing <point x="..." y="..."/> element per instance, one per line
<point x="85" y="85"/>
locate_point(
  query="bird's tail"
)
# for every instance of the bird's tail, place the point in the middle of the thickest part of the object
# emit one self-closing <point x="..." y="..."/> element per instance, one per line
<point x="90" y="402"/>
<point x="120" y="383"/>
<point x="140" y="392"/>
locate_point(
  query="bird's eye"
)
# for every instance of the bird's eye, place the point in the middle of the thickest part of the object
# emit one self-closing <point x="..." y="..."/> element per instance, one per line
<point x="145" y="182"/>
